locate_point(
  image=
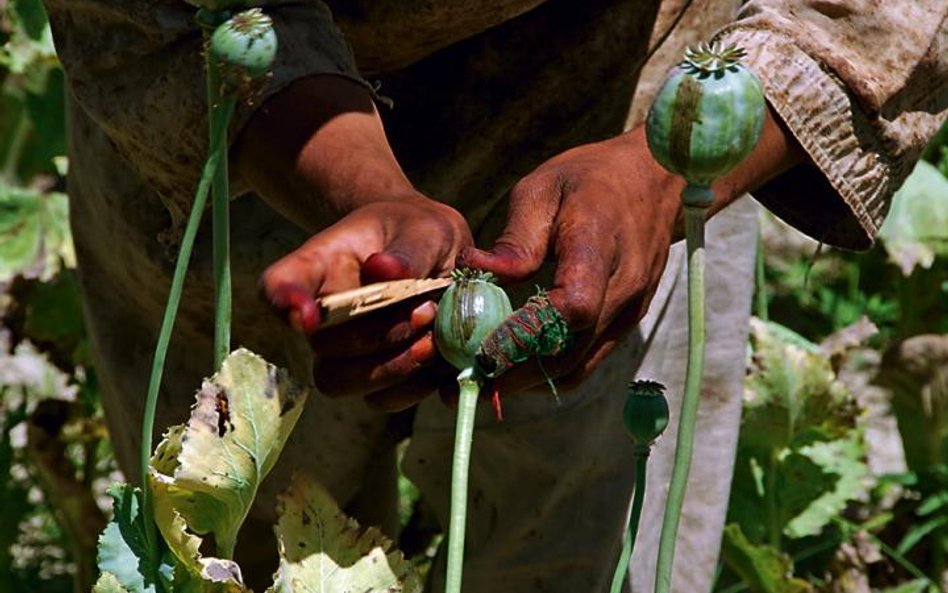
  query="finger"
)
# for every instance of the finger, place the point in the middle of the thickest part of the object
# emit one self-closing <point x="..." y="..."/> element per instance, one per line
<point x="359" y="376"/>
<point x="588" y="350"/>
<point x="295" y="305"/>
<point x="587" y="255"/>
<point x="428" y="246"/>
<point x="383" y="266"/>
<point x="376" y="332"/>
<point x="291" y="283"/>
<point x="524" y="243"/>
<point x="412" y="391"/>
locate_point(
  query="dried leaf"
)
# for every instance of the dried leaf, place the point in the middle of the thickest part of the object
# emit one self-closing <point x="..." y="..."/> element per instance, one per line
<point x="323" y="551"/>
<point x="206" y="474"/>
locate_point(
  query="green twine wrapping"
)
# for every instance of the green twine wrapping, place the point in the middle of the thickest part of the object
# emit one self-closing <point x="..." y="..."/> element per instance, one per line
<point x="536" y="329"/>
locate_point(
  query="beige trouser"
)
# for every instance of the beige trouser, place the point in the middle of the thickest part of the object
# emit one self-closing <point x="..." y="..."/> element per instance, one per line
<point x="551" y="486"/>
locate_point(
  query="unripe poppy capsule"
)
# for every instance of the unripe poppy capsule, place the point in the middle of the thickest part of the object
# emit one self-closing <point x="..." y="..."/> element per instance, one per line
<point x="244" y="47"/>
<point x="645" y="413"/>
<point x="469" y="309"/>
<point x="707" y="115"/>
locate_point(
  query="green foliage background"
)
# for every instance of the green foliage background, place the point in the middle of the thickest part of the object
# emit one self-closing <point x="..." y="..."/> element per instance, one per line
<point x="844" y="345"/>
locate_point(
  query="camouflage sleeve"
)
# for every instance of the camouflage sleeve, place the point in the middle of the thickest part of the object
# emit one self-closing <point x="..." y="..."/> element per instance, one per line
<point x="136" y="67"/>
<point x="863" y="86"/>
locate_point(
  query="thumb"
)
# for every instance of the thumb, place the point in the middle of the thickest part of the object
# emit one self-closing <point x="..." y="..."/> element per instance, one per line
<point x="525" y="241"/>
<point x="384" y="265"/>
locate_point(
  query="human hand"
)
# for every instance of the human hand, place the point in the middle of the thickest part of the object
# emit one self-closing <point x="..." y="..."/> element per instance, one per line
<point x="606" y="213"/>
<point x="376" y="356"/>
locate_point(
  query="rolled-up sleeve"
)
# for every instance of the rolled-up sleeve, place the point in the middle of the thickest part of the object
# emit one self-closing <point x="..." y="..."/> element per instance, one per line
<point x="863" y="86"/>
<point x="136" y="68"/>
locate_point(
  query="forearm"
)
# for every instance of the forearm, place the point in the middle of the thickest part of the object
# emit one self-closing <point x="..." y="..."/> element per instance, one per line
<point x="317" y="150"/>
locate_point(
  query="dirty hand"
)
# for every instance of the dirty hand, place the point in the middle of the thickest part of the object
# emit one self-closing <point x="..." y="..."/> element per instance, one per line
<point x="375" y="356"/>
<point x="317" y="153"/>
<point x="605" y="213"/>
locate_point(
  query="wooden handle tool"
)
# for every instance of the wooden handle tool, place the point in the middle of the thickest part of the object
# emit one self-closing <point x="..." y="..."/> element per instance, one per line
<point x="348" y="304"/>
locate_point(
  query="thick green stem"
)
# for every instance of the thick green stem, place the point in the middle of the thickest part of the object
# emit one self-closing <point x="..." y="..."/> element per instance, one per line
<point x="628" y="543"/>
<point x="463" y="435"/>
<point x="694" y="235"/>
<point x="164" y="337"/>
<point x="220" y="110"/>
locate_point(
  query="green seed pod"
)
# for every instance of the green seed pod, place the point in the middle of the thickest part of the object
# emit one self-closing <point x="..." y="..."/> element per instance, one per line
<point x="645" y="413"/>
<point x="707" y="116"/>
<point x="470" y="309"/>
<point x="244" y="47"/>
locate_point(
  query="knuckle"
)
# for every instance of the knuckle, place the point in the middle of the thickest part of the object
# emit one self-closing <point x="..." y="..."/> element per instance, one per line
<point x="535" y="186"/>
<point x="581" y="310"/>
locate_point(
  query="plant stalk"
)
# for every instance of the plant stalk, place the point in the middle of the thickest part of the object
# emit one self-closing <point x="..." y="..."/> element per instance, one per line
<point x="694" y="236"/>
<point x="628" y="542"/>
<point x="463" y="435"/>
<point x="220" y="110"/>
<point x="164" y="337"/>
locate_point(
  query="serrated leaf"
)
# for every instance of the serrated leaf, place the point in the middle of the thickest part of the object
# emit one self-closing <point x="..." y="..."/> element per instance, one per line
<point x="791" y="393"/>
<point x="916" y="228"/>
<point x="801" y="483"/>
<point x="324" y="551"/>
<point x="762" y="568"/>
<point x="843" y="459"/>
<point x="34" y="234"/>
<point x="852" y="336"/>
<point x="208" y="472"/>
<point x="107" y="583"/>
<point x="123" y="548"/>
<point x="197" y="574"/>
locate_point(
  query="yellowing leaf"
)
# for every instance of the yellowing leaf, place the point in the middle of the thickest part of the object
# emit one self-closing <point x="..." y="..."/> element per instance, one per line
<point x="107" y="583"/>
<point x="916" y="229"/>
<point x="206" y="474"/>
<point x="324" y="551"/>
<point x="791" y="393"/>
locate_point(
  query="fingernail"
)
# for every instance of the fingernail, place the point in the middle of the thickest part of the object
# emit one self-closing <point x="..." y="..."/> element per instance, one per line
<point x="301" y="310"/>
<point x="424" y="314"/>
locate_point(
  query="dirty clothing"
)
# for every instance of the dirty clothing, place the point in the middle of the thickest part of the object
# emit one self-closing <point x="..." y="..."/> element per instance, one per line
<point x="482" y="92"/>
